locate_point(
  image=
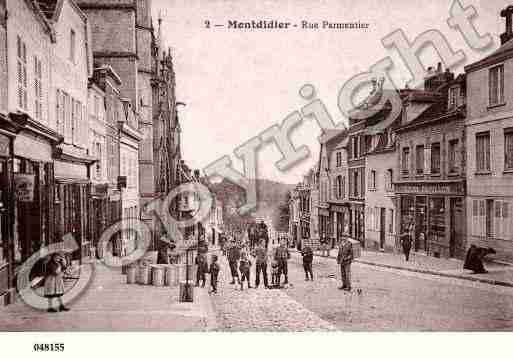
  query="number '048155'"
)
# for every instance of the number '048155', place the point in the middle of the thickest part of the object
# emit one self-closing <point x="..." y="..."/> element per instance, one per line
<point x="46" y="347"/>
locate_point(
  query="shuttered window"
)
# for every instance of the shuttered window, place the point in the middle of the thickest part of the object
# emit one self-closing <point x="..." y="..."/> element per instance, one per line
<point x="435" y="158"/>
<point x="508" y="148"/>
<point x="22" y="74"/>
<point x="38" y="89"/>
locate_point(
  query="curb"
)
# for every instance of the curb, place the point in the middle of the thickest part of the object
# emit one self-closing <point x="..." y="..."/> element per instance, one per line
<point x="431" y="272"/>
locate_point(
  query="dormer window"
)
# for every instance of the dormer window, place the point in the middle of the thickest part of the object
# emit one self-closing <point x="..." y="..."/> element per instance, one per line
<point x="454" y="93"/>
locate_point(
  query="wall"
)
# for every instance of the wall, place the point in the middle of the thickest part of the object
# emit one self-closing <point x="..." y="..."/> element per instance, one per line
<point x="498" y="184"/>
<point x="24" y="22"/>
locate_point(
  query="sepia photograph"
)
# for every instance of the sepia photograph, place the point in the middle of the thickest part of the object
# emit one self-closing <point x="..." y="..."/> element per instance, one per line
<point x="254" y="167"/>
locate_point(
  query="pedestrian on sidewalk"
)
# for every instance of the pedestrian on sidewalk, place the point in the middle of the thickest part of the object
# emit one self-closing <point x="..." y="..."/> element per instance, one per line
<point x="201" y="269"/>
<point x="54" y="281"/>
<point x="282" y="255"/>
<point x="260" y="254"/>
<point x="233" y="258"/>
<point x="245" y="270"/>
<point x="344" y="259"/>
<point x="406" y="243"/>
<point x="214" y="272"/>
<point x="307" y="254"/>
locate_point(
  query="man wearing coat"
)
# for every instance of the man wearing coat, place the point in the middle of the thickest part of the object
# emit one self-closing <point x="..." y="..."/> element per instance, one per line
<point x="233" y="258"/>
<point x="260" y="254"/>
<point x="344" y="259"/>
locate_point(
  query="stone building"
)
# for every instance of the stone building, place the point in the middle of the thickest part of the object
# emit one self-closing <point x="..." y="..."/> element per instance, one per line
<point x="430" y="172"/>
<point x="380" y="168"/>
<point x="122" y="37"/>
<point x="489" y="150"/>
<point x="328" y="142"/>
<point x="28" y="139"/>
<point x="71" y="67"/>
<point x="338" y="171"/>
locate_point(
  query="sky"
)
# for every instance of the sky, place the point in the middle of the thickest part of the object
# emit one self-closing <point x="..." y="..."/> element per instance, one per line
<point x="236" y="83"/>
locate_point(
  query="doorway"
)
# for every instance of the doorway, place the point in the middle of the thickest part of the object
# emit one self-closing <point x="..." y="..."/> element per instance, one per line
<point x="457" y="223"/>
<point x="382" y="228"/>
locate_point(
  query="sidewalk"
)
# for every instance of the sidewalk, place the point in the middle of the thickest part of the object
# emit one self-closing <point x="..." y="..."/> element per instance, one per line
<point x="109" y="304"/>
<point x="498" y="274"/>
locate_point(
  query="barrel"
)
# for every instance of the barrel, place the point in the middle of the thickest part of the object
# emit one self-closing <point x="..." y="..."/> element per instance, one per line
<point x="144" y="275"/>
<point x="181" y="272"/>
<point x="172" y="275"/>
<point x="131" y="274"/>
<point x="157" y="275"/>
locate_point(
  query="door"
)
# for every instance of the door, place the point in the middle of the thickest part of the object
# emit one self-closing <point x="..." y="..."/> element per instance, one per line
<point x="456" y="226"/>
<point x="382" y="228"/>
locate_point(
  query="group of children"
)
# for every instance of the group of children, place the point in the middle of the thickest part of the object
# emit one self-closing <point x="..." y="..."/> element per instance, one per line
<point x="203" y="268"/>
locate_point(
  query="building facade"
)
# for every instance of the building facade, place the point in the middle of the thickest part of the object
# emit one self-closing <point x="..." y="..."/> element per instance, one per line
<point x="71" y="67"/>
<point x="489" y="151"/>
<point x="430" y="180"/>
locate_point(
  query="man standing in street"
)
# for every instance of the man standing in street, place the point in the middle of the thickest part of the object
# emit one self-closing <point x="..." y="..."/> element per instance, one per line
<point x="344" y="259"/>
<point x="307" y="254"/>
<point x="406" y="243"/>
<point x="260" y="254"/>
<point x="282" y="255"/>
<point x="233" y="257"/>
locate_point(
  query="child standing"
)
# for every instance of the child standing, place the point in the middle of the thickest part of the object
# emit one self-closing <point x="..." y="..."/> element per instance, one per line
<point x="214" y="271"/>
<point x="54" y="281"/>
<point x="275" y="273"/>
<point x="244" y="268"/>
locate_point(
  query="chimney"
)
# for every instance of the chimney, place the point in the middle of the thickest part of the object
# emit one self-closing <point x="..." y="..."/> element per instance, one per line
<point x="508" y="34"/>
<point x="436" y="78"/>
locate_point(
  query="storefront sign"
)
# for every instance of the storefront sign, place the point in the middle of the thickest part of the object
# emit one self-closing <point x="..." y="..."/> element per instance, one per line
<point x="337" y="208"/>
<point x="5" y="149"/>
<point x="434" y="188"/>
<point x="24" y="187"/>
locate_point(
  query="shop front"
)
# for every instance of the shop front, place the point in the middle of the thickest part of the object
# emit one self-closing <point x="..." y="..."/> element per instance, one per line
<point x="434" y="214"/>
<point x="73" y="199"/>
<point x="7" y="135"/>
<point x="340" y="215"/>
<point x="325" y="230"/>
<point x="356" y="214"/>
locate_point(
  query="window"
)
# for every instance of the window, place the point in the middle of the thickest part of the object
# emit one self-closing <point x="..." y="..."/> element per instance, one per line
<point x="98" y="163"/>
<point x="72" y="45"/>
<point x="22" y="74"/>
<point x="355" y="183"/>
<point x="339" y="159"/>
<point x="67" y="118"/>
<point x="38" y="90"/>
<point x="362" y="145"/>
<point x="419" y="159"/>
<point x="372" y="180"/>
<point x="339" y="187"/>
<point x="391" y="221"/>
<point x="435" y="158"/>
<point x="343" y="189"/>
<point x="483" y="152"/>
<point x="406" y="155"/>
<point x="453" y="156"/>
<point x="389" y="179"/>
<point x="508" y="148"/>
<point x="453" y="97"/>
<point x="355" y="147"/>
<point x="496" y="85"/>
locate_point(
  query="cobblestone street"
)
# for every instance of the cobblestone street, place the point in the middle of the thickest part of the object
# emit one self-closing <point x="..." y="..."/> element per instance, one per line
<point x="389" y="300"/>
